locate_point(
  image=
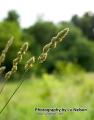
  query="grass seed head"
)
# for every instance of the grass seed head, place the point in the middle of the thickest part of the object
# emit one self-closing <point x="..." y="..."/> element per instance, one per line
<point x="42" y="57"/>
<point x="53" y="44"/>
<point x="46" y="48"/>
<point x="14" y="69"/>
<point x="24" y="48"/>
<point x="15" y="61"/>
<point x="8" y="75"/>
<point x="30" y="63"/>
<point x="2" y="58"/>
<point x="2" y="69"/>
<point x="9" y="43"/>
<point x="3" y="54"/>
<point x="62" y="34"/>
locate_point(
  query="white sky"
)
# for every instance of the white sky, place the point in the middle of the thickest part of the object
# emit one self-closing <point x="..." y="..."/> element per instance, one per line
<point x="53" y="10"/>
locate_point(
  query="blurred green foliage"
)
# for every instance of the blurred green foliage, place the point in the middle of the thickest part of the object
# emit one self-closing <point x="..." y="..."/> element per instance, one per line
<point x="50" y="91"/>
<point x="85" y="23"/>
<point x="77" y="48"/>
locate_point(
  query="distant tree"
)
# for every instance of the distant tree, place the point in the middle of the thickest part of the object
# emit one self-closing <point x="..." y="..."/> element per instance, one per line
<point x="12" y="16"/>
<point x="43" y="31"/>
<point x="76" y="20"/>
<point x="85" y="23"/>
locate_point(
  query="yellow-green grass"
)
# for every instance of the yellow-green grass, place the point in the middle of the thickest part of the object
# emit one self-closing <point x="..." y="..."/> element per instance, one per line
<point x="69" y="91"/>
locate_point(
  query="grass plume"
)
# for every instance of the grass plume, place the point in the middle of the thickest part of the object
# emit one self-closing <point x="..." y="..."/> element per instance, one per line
<point x="54" y="42"/>
<point x="16" y="61"/>
<point x="3" y="54"/>
<point x="2" y="69"/>
<point x="29" y="63"/>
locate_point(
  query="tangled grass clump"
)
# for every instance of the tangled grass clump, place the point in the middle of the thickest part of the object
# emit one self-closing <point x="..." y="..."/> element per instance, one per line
<point x="30" y="63"/>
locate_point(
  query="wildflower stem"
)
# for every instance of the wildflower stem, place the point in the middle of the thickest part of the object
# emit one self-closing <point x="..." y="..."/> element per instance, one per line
<point x="20" y="83"/>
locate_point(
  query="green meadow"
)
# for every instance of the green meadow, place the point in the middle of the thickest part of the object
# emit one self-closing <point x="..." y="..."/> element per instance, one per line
<point x="49" y="91"/>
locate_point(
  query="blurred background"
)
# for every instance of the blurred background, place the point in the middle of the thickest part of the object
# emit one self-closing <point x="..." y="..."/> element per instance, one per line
<point x="66" y="78"/>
